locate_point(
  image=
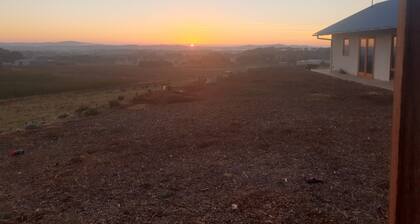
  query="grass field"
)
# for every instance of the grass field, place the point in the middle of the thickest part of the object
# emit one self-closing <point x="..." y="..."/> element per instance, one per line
<point x="44" y="94"/>
<point x="28" y="82"/>
<point x="46" y="109"/>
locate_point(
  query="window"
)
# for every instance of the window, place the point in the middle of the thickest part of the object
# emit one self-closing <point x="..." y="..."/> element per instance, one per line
<point x="346" y="47"/>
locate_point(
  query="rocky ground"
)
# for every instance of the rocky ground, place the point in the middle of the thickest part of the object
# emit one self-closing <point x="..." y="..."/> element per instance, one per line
<point x="268" y="146"/>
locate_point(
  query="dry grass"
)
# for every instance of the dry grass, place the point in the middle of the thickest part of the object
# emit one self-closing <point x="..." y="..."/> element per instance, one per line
<point x="67" y="88"/>
<point x="47" y="109"/>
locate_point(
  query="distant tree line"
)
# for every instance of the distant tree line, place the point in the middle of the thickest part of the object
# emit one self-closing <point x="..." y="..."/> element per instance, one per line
<point x="255" y="57"/>
<point x="154" y="64"/>
<point x="208" y="59"/>
<point x="272" y="56"/>
<point x="265" y="56"/>
<point x="7" y="56"/>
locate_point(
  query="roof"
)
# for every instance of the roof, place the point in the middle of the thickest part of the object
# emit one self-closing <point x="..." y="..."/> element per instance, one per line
<point x="381" y="16"/>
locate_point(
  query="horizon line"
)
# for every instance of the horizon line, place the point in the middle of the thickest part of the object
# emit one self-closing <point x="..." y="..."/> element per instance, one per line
<point x="156" y="44"/>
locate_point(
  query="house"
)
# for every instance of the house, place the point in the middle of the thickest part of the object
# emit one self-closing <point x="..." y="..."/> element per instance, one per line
<point x="364" y="44"/>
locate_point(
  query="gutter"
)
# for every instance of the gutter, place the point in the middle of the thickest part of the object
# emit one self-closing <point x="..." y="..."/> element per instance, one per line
<point x="374" y="29"/>
<point x="331" y="48"/>
<point x="321" y="38"/>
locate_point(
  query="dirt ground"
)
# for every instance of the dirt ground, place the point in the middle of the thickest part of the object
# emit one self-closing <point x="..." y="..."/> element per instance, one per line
<point x="269" y="146"/>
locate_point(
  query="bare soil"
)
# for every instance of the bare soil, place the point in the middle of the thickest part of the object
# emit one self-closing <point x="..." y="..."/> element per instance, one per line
<point x="269" y="146"/>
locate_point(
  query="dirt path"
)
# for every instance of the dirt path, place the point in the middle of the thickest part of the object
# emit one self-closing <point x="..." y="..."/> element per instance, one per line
<point x="244" y="153"/>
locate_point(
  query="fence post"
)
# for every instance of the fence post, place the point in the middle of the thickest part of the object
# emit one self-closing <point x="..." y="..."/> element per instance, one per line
<point x="404" y="197"/>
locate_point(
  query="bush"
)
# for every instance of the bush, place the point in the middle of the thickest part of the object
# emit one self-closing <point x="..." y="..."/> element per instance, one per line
<point x="114" y="103"/>
<point x="87" y="111"/>
<point x="32" y="125"/>
<point x="139" y="99"/>
<point x="63" y="116"/>
<point x="91" y="112"/>
<point x="342" y="71"/>
<point x="121" y="98"/>
<point x="81" y="109"/>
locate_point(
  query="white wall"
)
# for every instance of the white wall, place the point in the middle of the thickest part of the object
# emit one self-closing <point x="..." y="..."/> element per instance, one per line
<point x="350" y="63"/>
<point x="347" y="63"/>
<point x="383" y="56"/>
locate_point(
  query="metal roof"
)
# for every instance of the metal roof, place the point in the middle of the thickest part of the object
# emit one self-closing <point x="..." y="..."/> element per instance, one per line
<point x="380" y="16"/>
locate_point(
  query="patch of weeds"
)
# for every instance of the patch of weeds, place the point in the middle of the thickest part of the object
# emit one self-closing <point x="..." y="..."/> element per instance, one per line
<point x="32" y="125"/>
<point x="63" y="116"/>
<point x="86" y="111"/>
<point x="5" y="216"/>
<point x="114" y="104"/>
<point x="81" y="109"/>
<point x="140" y="98"/>
<point x="342" y="71"/>
<point x="91" y="112"/>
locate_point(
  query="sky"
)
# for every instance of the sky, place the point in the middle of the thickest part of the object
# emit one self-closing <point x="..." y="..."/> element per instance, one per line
<point x="211" y="22"/>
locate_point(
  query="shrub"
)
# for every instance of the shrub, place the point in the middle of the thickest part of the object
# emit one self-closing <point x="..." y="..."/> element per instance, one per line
<point x="114" y="103"/>
<point x="121" y="98"/>
<point x="91" y="112"/>
<point x="87" y="111"/>
<point x="139" y="99"/>
<point x="63" y="116"/>
<point x="342" y="71"/>
<point x="81" y="109"/>
<point x="32" y="125"/>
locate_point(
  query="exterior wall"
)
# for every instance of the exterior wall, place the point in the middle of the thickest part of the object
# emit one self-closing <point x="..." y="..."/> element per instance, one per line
<point x="347" y="63"/>
<point x="382" y="69"/>
<point x="350" y="64"/>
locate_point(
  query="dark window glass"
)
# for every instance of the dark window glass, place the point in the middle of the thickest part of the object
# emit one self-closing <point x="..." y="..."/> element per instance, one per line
<point x="393" y="57"/>
<point x="370" y="56"/>
<point x="346" y="47"/>
<point x="362" y="57"/>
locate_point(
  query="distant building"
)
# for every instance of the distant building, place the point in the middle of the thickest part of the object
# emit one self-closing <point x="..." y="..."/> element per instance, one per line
<point x="364" y="44"/>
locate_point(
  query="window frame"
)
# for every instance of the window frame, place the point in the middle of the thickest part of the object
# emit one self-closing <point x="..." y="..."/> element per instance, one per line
<point x="365" y="72"/>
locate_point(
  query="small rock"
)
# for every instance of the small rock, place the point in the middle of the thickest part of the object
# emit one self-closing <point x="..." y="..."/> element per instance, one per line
<point x="235" y="207"/>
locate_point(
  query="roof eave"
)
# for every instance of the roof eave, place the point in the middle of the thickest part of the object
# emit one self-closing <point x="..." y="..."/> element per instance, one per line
<point x="355" y="31"/>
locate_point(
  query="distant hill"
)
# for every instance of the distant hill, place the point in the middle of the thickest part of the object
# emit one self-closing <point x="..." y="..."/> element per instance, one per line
<point x="64" y="47"/>
<point x="83" y="47"/>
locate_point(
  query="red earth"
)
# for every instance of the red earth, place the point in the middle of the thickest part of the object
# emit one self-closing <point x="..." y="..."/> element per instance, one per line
<point x="275" y="145"/>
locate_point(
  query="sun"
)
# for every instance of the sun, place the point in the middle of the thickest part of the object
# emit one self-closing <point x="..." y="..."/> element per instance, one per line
<point x="192" y="45"/>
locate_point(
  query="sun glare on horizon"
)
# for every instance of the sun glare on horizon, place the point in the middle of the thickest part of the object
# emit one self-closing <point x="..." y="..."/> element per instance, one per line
<point x="182" y="22"/>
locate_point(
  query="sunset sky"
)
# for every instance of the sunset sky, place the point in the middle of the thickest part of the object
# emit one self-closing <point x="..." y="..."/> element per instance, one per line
<point x="215" y="22"/>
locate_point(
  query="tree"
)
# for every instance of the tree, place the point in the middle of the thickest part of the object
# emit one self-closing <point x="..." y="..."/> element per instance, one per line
<point x="9" y="56"/>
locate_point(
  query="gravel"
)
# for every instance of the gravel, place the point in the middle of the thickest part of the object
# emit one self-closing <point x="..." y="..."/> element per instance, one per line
<point x="242" y="153"/>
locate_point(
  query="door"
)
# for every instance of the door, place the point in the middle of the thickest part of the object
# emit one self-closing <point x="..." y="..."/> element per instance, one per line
<point x="366" y="57"/>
